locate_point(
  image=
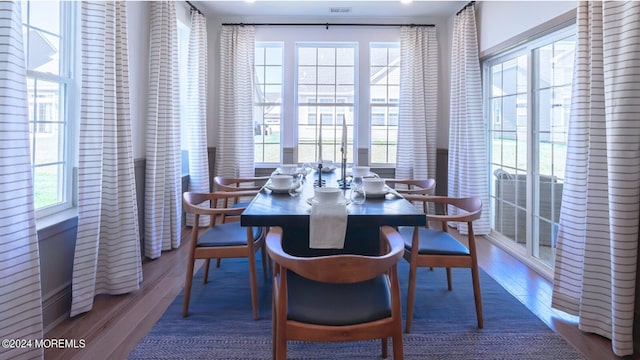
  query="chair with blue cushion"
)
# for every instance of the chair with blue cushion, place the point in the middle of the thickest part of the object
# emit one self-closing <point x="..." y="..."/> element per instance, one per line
<point x="426" y="247"/>
<point x="229" y="184"/>
<point x="336" y="297"/>
<point x="221" y="240"/>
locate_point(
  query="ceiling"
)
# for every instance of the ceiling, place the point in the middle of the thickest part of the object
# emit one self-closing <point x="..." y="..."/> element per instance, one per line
<point x="322" y="8"/>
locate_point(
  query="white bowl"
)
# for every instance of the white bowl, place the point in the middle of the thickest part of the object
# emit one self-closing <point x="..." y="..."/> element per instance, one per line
<point x="281" y="181"/>
<point x="327" y="195"/>
<point x="360" y="171"/>
<point x="373" y="185"/>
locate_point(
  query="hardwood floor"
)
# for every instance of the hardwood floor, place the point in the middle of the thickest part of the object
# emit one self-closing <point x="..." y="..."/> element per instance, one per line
<point x="116" y="324"/>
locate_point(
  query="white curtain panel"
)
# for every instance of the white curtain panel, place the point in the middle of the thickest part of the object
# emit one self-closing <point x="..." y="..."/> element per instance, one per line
<point x="467" y="132"/>
<point x="107" y="255"/>
<point x="20" y="297"/>
<point x="197" y="110"/>
<point x="418" y="109"/>
<point x="596" y="258"/>
<point x="163" y="206"/>
<point x="235" y="132"/>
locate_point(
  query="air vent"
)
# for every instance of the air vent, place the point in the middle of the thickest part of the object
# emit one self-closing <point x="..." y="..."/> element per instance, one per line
<point x="339" y="10"/>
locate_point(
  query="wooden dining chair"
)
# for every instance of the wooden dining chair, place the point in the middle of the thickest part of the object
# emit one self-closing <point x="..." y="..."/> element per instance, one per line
<point x="426" y="247"/>
<point x="230" y="184"/>
<point x="222" y="240"/>
<point x="410" y="186"/>
<point x="250" y="186"/>
<point x="336" y="297"/>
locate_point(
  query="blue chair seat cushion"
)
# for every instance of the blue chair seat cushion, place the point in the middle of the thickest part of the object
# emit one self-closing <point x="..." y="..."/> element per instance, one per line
<point x="436" y="242"/>
<point x="229" y="234"/>
<point x="319" y="303"/>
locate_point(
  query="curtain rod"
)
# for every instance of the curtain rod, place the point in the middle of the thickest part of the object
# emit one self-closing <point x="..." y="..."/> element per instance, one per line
<point x="464" y="7"/>
<point x="193" y="7"/>
<point x="320" y="24"/>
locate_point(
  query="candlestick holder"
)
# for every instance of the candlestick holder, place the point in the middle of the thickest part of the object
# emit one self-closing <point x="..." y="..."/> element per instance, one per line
<point x="319" y="182"/>
<point x="342" y="182"/>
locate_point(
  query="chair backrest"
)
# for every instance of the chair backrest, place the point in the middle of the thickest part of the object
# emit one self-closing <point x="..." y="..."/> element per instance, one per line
<point x="222" y="183"/>
<point x="425" y="187"/>
<point x="205" y="204"/>
<point x="471" y="206"/>
<point x="338" y="268"/>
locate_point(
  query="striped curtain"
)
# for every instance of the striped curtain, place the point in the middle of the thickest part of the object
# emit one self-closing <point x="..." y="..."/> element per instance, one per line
<point x="467" y="133"/>
<point x="596" y="256"/>
<point x="163" y="206"/>
<point x="20" y="297"/>
<point x="418" y="108"/>
<point x="107" y="255"/>
<point x="197" y="110"/>
<point x="235" y="133"/>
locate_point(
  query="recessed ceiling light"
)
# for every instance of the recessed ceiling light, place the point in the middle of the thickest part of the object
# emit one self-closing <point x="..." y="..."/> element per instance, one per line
<point x="250" y="1"/>
<point x="406" y="1"/>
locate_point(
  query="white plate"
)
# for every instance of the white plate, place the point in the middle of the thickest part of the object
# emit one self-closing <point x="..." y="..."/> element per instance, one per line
<point x="326" y="169"/>
<point x="277" y="190"/>
<point x="377" y="194"/>
<point x="310" y="201"/>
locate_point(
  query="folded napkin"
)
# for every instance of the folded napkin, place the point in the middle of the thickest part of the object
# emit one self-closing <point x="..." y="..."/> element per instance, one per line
<point x="327" y="225"/>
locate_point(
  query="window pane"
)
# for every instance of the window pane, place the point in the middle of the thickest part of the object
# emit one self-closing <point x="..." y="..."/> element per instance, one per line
<point x="45" y="15"/>
<point x="273" y="93"/>
<point x="273" y="74"/>
<point x="346" y="56"/>
<point x="326" y="75"/>
<point x="384" y="97"/>
<point x="306" y="74"/>
<point x="496" y="81"/>
<point x="509" y="76"/>
<point x="307" y="56"/>
<point x="345" y="76"/>
<point x="327" y="56"/>
<point x="43" y="52"/>
<point x="259" y="55"/>
<point x="267" y="110"/>
<point x="273" y="56"/>
<point x="378" y="56"/>
<point x="48" y="185"/>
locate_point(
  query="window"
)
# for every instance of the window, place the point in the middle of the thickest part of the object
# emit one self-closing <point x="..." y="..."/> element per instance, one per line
<point x="325" y="92"/>
<point x="267" y="112"/>
<point x="47" y="31"/>
<point x="183" y="60"/>
<point x="385" y="93"/>
<point x="528" y="100"/>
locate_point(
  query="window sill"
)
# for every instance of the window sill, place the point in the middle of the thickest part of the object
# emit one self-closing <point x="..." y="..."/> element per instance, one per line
<point x="55" y="223"/>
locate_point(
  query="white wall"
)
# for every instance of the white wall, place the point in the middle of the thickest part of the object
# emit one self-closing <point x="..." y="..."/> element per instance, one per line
<point x="138" y="26"/>
<point x="500" y="21"/>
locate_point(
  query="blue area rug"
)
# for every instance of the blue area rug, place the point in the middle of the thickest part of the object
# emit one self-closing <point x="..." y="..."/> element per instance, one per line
<point x="220" y="324"/>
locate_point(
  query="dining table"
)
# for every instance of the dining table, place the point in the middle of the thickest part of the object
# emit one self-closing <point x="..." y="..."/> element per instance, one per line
<point x="292" y="213"/>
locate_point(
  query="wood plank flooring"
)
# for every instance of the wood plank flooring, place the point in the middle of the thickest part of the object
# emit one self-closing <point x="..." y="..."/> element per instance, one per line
<point x="117" y="323"/>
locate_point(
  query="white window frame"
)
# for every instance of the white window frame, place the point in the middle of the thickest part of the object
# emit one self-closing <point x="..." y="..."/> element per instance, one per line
<point x="258" y="104"/>
<point x="529" y="253"/>
<point x="68" y="101"/>
<point x="336" y="103"/>
<point x="383" y="105"/>
<point x="290" y="36"/>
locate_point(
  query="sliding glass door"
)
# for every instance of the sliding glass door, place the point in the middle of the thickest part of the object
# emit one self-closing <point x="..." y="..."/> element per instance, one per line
<point x="528" y="99"/>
